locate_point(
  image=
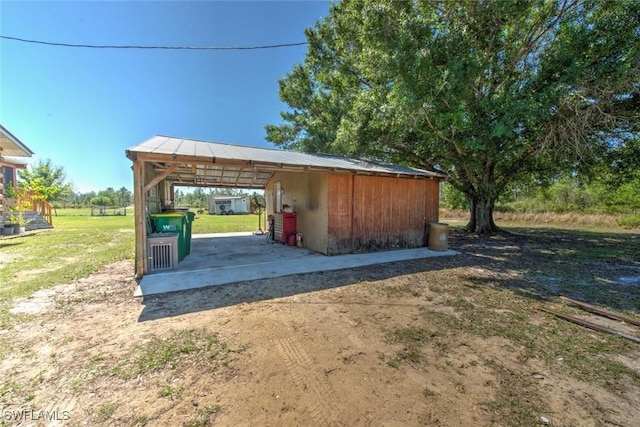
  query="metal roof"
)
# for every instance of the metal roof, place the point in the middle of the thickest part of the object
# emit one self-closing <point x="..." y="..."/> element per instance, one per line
<point x="213" y="163"/>
<point x="12" y="146"/>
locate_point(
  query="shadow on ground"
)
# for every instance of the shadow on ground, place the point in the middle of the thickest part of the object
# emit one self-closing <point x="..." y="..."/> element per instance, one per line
<point x="598" y="268"/>
<point x="8" y="244"/>
<point x="178" y="303"/>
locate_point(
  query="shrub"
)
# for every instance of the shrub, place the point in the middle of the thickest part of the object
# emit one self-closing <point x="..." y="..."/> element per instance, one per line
<point x="629" y="222"/>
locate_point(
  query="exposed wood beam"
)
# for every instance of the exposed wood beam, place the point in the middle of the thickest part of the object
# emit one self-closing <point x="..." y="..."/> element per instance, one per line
<point x="255" y="178"/>
<point x="160" y="177"/>
<point x="140" y="218"/>
<point x="219" y="185"/>
<point x="185" y="159"/>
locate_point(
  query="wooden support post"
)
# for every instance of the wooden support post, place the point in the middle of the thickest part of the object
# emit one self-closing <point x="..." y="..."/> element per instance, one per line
<point x="140" y="216"/>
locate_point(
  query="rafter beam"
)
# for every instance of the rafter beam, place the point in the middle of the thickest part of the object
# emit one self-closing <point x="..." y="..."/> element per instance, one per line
<point x="160" y="177"/>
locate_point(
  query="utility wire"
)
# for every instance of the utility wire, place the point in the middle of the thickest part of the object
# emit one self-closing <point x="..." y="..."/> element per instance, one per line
<point x="92" y="46"/>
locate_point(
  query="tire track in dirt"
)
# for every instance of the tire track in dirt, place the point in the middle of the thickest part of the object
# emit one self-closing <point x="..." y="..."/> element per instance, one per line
<point x="300" y="366"/>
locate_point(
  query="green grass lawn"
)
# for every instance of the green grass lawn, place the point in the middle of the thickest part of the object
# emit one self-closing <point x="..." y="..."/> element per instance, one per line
<point x="76" y="247"/>
<point x="79" y="245"/>
<point x="205" y="223"/>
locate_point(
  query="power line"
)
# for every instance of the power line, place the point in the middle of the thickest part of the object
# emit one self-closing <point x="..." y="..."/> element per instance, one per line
<point x="92" y="46"/>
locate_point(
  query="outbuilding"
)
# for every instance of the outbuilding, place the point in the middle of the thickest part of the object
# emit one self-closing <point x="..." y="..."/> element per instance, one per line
<point x="229" y="205"/>
<point x="339" y="205"/>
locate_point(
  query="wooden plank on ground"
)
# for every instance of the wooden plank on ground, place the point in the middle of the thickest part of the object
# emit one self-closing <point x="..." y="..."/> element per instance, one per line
<point x="590" y="325"/>
<point x="602" y="312"/>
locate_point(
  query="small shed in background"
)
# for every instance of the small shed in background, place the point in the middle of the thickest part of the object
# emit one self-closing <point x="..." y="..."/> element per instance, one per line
<point x="229" y="205"/>
<point x="341" y="205"/>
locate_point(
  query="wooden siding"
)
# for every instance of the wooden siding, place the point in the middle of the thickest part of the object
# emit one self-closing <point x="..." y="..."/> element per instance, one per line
<point x="433" y="201"/>
<point x="370" y="213"/>
<point x="340" y="213"/>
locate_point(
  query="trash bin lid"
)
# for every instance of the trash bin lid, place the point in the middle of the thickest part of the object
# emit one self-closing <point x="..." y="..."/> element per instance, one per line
<point x="168" y="214"/>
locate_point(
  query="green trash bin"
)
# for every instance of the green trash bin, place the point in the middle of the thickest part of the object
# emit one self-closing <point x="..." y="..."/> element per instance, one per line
<point x="190" y="217"/>
<point x="173" y="222"/>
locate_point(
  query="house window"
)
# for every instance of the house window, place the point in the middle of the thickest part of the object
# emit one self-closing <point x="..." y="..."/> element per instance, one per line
<point x="8" y="176"/>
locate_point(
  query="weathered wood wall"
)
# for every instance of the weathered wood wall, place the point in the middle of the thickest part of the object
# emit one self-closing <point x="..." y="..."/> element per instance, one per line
<point x="340" y="212"/>
<point x="370" y="213"/>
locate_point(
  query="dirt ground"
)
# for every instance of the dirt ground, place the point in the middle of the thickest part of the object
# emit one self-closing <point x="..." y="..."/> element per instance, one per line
<point x="358" y="347"/>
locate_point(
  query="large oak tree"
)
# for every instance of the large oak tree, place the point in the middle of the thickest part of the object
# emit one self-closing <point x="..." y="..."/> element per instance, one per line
<point x="487" y="92"/>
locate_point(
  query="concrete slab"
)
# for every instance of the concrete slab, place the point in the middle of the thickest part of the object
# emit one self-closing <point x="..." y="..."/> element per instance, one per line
<point x="218" y="259"/>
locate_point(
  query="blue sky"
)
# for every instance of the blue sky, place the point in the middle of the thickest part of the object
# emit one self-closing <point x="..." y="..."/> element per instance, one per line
<point x="83" y="107"/>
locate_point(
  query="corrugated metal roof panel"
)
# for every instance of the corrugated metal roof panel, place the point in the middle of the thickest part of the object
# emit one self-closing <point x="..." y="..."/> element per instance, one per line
<point x="267" y="156"/>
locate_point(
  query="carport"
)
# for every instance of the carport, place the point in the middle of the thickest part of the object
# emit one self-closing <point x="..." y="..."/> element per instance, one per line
<point x="343" y="206"/>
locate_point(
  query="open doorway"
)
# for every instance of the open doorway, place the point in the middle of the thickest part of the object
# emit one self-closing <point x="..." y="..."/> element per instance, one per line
<point x="219" y="209"/>
<point x="229" y="227"/>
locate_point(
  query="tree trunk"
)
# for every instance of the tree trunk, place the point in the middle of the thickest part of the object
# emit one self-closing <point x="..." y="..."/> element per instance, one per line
<point x="481" y="216"/>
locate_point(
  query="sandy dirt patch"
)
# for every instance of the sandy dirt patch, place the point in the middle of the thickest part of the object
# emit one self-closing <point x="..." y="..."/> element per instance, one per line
<point x="303" y="350"/>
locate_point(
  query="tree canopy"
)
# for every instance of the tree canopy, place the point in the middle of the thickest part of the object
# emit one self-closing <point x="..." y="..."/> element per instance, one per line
<point x="45" y="179"/>
<point x="487" y="92"/>
<point x="112" y="198"/>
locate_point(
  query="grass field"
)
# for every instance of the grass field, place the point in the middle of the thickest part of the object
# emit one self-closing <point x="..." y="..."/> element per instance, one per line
<point x="75" y="248"/>
<point x="572" y="220"/>
<point x="204" y="223"/>
<point x="79" y="245"/>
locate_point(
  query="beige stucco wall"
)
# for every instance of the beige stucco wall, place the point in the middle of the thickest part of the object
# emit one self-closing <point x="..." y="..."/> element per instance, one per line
<point x="306" y="193"/>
